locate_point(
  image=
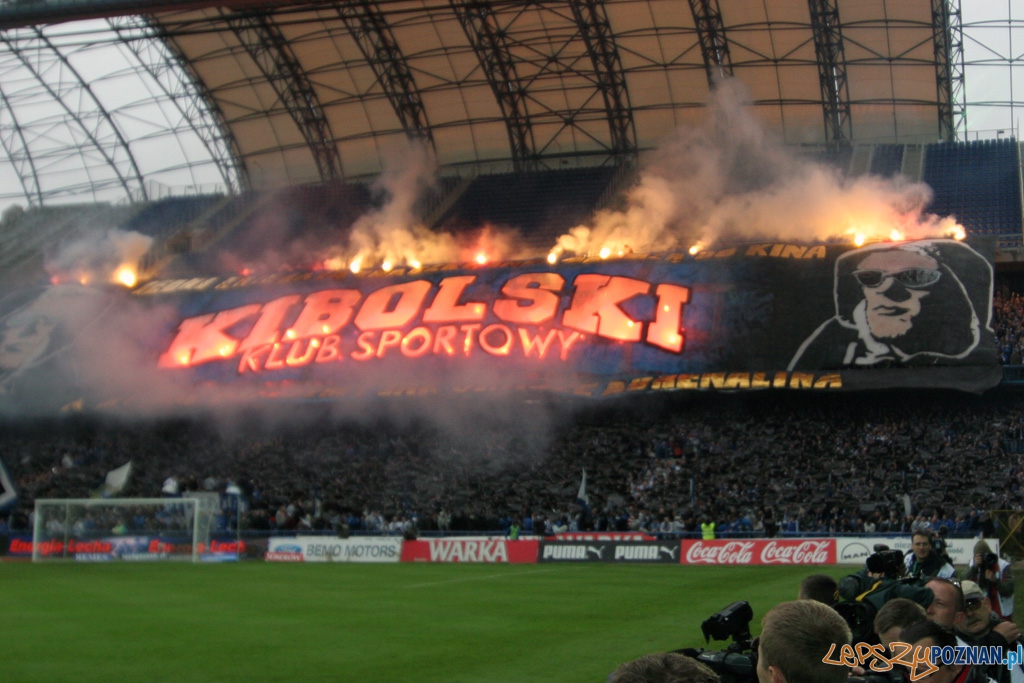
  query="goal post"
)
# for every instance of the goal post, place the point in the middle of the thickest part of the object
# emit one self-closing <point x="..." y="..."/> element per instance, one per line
<point x="122" y="529"/>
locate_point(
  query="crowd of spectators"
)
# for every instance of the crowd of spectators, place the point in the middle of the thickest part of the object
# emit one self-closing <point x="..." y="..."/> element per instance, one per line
<point x="1008" y="318"/>
<point x="896" y="462"/>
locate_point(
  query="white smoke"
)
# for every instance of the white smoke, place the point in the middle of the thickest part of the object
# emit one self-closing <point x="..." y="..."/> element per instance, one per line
<point x="730" y="180"/>
<point x="393" y="234"/>
<point x="104" y="257"/>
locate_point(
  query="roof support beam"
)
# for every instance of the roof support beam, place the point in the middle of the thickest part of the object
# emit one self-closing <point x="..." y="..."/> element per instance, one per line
<point x="597" y="35"/>
<point x="269" y="49"/>
<point x="949" y="66"/>
<point x="12" y="138"/>
<point x="714" y="47"/>
<point x="490" y="42"/>
<point x="78" y="92"/>
<point x="373" y="35"/>
<point x="183" y="90"/>
<point x="835" y="93"/>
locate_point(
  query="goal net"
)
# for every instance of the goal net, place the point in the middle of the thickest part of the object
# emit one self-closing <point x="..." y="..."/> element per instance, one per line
<point x="119" y="529"/>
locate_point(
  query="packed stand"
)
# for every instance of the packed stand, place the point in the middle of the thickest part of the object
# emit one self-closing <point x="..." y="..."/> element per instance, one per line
<point x="1008" y="320"/>
<point x="845" y="466"/>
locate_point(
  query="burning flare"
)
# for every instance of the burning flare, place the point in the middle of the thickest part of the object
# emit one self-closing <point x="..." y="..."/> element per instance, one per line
<point x="126" y="276"/>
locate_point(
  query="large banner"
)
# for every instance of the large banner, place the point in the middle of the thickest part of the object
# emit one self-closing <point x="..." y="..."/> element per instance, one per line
<point x="753" y="317"/>
<point x="765" y="316"/>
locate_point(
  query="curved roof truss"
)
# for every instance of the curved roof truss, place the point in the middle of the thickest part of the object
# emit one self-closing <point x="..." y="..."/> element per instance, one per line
<point x="369" y="27"/>
<point x="298" y="93"/>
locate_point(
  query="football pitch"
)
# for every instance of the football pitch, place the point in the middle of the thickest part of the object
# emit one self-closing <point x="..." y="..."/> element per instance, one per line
<point x="259" y="621"/>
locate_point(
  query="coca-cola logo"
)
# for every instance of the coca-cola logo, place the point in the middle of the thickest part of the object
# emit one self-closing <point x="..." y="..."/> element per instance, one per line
<point x="805" y="552"/>
<point x="729" y="552"/>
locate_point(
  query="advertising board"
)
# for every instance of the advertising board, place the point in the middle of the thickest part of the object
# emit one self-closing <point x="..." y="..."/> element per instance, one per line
<point x="470" y="549"/>
<point x="759" y="551"/>
<point x="328" y="549"/>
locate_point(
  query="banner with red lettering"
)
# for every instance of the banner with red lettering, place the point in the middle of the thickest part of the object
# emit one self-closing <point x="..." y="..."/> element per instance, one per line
<point x="762" y="316"/>
<point x="753" y="317"/>
<point x="760" y="551"/>
<point x="470" y="549"/>
<point x="127" y="548"/>
<point x="616" y="536"/>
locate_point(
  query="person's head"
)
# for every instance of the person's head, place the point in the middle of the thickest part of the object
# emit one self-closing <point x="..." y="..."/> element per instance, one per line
<point x="894" y="616"/>
<point x="930" y="634"/>
<point x="921" y="544"/>
<point x="663" y="667"/>
<point x="948" y="606"/>
<point x="981" y="549"/>
<point x="977" y="610"/>
<point x="795" y="638"/>
<point x="820" y="587"/>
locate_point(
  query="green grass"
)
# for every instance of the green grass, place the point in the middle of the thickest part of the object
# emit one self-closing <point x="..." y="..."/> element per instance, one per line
<point x="346" y="622"/>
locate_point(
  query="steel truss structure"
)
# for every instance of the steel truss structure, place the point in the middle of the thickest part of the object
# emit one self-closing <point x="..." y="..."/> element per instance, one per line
<point x="245" y="96"/>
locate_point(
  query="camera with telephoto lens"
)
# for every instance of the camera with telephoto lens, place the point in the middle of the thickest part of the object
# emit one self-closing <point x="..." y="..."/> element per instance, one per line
<point x="738" y="662"/>
<point x="887" y="562"/>
<point x="990" y="561"/>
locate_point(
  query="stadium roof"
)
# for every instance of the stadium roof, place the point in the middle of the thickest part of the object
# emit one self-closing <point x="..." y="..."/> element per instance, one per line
<point x="230" y="98"/>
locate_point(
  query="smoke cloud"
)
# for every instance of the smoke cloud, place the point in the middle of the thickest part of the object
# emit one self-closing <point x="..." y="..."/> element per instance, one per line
<point x="729" y="180"/>
<point x="109" y="256"/>
<point x="393" y="234"/>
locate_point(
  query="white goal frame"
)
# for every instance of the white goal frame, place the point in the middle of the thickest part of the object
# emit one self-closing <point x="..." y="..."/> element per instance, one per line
<point x="195" y="514"/>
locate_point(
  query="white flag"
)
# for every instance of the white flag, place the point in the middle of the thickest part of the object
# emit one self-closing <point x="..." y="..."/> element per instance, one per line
<point x="581" y="497"/>
<point x="7" y="493"/>
<point x="116" y="480"/>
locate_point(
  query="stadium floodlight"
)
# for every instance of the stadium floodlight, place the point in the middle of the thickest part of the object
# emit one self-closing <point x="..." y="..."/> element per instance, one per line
<point x="122" y="529"/>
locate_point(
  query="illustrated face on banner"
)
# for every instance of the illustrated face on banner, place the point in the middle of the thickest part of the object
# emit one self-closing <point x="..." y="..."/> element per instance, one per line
<point x="924" y="302"/>
<point x="895" y="284"/>
<point x="23" y="341"/>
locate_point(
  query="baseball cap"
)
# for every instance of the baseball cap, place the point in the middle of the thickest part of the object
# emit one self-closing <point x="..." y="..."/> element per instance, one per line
<point x="972" y="591"/>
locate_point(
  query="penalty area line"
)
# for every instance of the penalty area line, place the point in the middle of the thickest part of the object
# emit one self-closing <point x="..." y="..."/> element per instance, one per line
<point x="478" y="578"/>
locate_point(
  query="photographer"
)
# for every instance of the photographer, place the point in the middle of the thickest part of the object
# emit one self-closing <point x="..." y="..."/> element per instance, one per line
<point x="863" y="594"/>
<point x="981" y="626"/>
<point x="795" y="638"/>
<point x="995" y="577"/>
<point x="925" y="562"/>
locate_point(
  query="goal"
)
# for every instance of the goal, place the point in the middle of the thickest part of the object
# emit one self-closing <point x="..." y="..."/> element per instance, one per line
<point x="122" y="529"/>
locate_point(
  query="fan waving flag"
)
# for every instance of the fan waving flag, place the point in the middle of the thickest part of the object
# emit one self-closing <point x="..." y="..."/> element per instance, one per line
<point x="8" y="496"/>
<point x="581" y="496"/>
